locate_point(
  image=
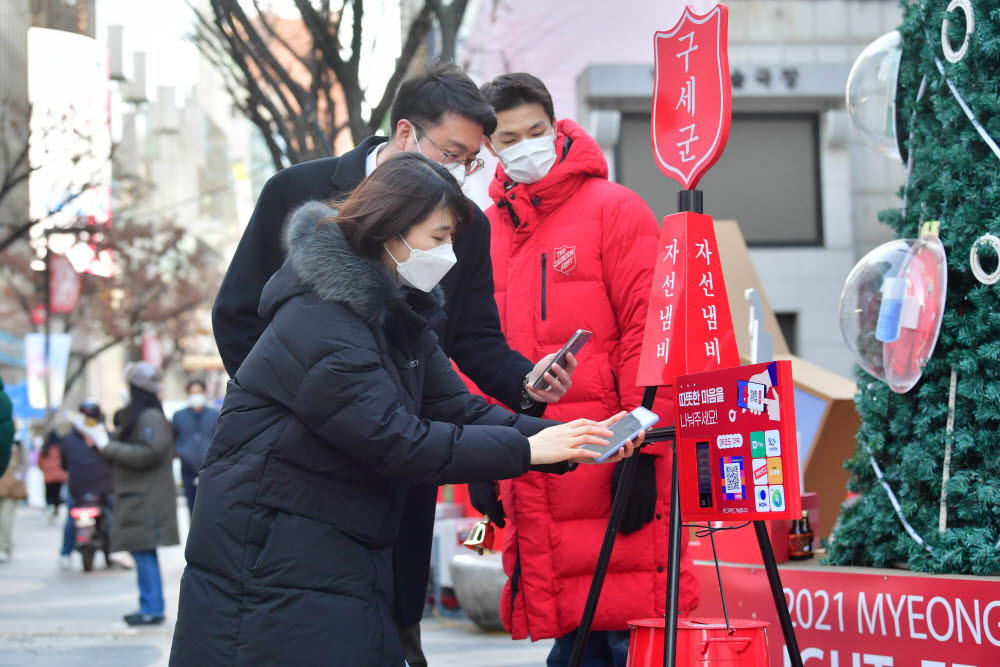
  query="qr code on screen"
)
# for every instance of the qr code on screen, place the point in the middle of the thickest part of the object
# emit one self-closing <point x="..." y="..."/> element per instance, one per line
<point x="733" y="479"/>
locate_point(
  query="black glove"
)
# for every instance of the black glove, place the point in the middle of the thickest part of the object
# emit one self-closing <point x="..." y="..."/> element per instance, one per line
<point x="640" y="506"/>
<point x="485" y="497"/>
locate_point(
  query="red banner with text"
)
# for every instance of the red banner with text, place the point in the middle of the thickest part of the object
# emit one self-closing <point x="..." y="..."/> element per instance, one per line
<point x="689" y="328"/>
<point x="861" y="617"/>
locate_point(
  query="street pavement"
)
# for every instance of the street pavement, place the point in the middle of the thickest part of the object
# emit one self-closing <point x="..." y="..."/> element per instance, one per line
<point x="50" y="617"/>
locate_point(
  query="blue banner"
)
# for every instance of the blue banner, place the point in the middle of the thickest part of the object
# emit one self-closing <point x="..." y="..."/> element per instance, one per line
<point x="19" y="398"/>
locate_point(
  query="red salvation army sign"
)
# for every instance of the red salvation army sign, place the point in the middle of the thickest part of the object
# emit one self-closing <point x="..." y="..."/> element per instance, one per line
<point x="692" y="100"/>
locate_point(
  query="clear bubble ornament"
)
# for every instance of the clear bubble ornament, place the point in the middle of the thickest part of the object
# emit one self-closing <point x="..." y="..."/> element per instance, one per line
<point x="891" y="309"/>
<point x="871" y="94"/>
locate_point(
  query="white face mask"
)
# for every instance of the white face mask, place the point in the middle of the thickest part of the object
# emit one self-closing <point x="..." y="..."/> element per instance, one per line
<point x="424" y="269"/>
<point x="530" y="160"/>
<point x="456" y="169"/>
<point x="197" y="401"/>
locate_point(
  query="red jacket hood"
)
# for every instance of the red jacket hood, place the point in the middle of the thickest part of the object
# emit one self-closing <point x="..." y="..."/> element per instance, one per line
<point x="583" y="159"/>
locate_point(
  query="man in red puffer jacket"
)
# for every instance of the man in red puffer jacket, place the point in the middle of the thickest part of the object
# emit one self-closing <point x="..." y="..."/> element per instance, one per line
<point x="570" y="251"/>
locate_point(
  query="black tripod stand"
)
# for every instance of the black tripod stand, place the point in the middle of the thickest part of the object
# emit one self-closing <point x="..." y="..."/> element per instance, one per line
<point x="692" y="201"/>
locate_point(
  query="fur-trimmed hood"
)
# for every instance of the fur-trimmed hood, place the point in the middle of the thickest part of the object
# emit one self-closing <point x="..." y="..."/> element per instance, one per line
<point x="320" y="260"/>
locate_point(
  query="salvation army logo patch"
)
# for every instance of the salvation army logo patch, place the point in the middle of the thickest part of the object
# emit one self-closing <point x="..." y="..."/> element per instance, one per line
<point x="564" y="259"/>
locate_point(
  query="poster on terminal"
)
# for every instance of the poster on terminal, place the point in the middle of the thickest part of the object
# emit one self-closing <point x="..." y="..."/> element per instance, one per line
<point x="737" y="452"/>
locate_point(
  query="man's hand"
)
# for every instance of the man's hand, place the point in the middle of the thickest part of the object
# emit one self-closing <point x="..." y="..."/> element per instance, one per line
<point x="557" y="377"/>
<point x="486" y="499"/>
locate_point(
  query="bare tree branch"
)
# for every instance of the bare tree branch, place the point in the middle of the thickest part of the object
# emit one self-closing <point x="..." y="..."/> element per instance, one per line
<point x="293" y="106"/>
<point x="418" y="32"/>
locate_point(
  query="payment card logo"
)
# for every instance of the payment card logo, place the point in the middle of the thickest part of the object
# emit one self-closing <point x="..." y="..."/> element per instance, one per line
<point x="760" y="494"/>
<point x="759" y="467"/>
<point x="757" y="444"/>
<point x="774" y="475"/>
<point x="772" y="443"/>
<point x="777" y="494"/>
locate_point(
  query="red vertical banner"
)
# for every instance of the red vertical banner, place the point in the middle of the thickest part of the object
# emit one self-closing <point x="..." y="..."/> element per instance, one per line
<point x="689" y="328"/>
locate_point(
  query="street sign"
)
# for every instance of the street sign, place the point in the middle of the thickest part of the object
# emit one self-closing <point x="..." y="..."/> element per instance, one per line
<point x="737" y="450"/>
<point x="692" y="98"/>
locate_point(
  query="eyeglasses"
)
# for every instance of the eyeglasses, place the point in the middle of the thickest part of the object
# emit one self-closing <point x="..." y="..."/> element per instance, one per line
<point x="472" y="164"/>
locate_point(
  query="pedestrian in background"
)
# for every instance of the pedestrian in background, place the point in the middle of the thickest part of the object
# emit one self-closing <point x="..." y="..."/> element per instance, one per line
<point x="50" y="462"/>
<point x="89" y="475"/>
<point x="6" y="428"/>
<point x="12" y="491"/>
<point x="193" y="427"/>
<point x="145" y="498"/>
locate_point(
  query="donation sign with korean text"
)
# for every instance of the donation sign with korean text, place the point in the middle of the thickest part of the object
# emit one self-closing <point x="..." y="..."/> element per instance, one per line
<point x="736" y="444"/>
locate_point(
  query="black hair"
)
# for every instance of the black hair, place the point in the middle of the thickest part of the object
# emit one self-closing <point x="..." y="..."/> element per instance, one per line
<point x="425" y="98"/>
<point x="196" y="381"/>
<point x="512" y="90"/>
<point x="401" y="193"/>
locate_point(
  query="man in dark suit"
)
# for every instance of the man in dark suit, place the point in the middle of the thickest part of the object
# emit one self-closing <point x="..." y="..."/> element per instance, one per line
<point x="442" y="115"/>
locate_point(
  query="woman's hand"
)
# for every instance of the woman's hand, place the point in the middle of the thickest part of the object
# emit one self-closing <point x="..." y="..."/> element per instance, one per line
<point x="563" y="442"/>
<point x="627" y="449"/>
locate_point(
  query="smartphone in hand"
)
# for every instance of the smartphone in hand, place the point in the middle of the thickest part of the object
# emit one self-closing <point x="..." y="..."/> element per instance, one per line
<point x="574" y="345"/>
<point x="625" y="429"/>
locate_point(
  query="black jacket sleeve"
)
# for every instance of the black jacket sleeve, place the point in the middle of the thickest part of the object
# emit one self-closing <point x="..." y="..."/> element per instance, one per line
<point x="258" y="256"/>
<point x="343" y="399"/>
<point x="153" y="441"/>
<point x="446" y="398"/>
<point x="477" y="343"/>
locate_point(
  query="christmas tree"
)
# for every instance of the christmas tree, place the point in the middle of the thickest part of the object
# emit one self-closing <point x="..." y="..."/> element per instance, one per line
<point x="953" y="177"/>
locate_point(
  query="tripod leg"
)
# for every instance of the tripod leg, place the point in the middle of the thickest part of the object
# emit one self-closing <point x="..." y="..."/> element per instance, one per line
<point x="617" y="510"/>
<point x="597" y="583"/>
<point x="784" y="618"/>
<point x="674" y="567"/>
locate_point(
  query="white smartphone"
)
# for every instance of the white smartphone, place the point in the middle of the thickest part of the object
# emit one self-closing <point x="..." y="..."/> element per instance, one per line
<point x="573" y="345"/>
<point x="624" y="429"/>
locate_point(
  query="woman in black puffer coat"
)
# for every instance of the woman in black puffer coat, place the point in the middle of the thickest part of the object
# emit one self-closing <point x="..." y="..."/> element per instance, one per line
<point x="344" y="401"/>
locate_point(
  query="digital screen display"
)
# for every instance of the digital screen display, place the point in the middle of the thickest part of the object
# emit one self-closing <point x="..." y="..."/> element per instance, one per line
<point x="625" y="428"/>
<point x="750" y="395"/>
<point x="704" y="475"/>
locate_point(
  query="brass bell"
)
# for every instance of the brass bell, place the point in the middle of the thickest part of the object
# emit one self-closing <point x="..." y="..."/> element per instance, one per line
<point x="482" y="537"/>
